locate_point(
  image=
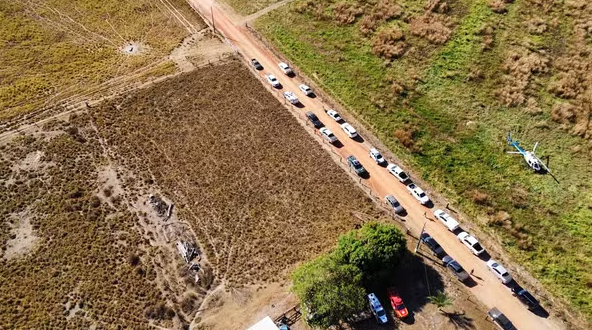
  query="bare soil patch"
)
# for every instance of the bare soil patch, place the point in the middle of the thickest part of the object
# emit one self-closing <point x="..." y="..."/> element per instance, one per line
<point x="22" y="238"/>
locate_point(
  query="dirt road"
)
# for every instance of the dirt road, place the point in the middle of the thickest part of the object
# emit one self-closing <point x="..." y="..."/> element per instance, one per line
<point x="488" y="289"/>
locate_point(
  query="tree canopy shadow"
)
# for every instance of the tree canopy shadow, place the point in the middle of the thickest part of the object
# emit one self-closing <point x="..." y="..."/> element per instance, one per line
<point x="459" y="320"/>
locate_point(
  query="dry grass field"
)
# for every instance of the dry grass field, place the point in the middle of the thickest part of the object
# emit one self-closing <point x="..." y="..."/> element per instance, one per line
<point x="74" y="250"/>
<point x="80" y="247"/>
<point x="53" y="49"/>
<point x="258" y="191"/>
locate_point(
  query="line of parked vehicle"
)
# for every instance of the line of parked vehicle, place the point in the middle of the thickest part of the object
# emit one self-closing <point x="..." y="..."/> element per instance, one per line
<point x="477" y="249"/>
<point x="448" y="221"/>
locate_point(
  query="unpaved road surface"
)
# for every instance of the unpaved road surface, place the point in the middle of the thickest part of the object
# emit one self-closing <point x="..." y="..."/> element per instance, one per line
<point x="488" y="289"/>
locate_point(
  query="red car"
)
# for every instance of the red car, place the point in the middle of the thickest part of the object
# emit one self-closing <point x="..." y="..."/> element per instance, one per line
<point x="397" y="303"/>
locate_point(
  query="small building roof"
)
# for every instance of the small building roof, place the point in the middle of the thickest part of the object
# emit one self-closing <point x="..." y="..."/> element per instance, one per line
<point x="265" y="324"/>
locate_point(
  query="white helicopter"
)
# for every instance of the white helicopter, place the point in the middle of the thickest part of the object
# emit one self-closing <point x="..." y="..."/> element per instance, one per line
<point x="531" y="159"/>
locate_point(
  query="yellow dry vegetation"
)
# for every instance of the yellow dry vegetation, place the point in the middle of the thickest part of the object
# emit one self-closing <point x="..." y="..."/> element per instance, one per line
<point x="52" y="49"/>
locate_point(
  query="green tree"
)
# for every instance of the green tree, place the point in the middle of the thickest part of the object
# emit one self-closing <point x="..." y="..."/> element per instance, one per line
<point x="441" y="300"/>
<point x="329" y="291"/>
<point x="373" y="247"/>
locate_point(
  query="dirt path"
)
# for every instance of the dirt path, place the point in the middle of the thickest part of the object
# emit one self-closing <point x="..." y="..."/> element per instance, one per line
<point x="264" y="11"/>
<point x="488" y="289"/>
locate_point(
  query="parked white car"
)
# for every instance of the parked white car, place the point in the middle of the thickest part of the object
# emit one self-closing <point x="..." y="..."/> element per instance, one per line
<point x="305" y="89"/>
<point x="291" y="97"/>
<point x="377" y="156"/>
<point x="333" y="114"/>
<point x="471" y="242"/>
<point x="285" y="68"/>
<point x="328" y="135"/>
<point x="499" y="271"/>
<point x="419" y="194"/>
<point x="397" y="172"/>
<point x="349" y="130"/>
<point x="446" y="219"/>
<point x="272" y="80"/>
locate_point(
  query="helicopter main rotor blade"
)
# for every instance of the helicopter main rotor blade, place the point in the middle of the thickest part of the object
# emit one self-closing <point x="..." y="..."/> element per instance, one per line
<point x="554" y="178"/>
<point x="544" y="166"/>
<point x="514" y="152"/>
<point x="535" y="146"/>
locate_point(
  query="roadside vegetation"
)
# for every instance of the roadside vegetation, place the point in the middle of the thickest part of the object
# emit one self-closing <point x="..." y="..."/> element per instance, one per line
<point x="331" y="287"/>
<point x="52" y="49"/>
<point x="441" y="83"/>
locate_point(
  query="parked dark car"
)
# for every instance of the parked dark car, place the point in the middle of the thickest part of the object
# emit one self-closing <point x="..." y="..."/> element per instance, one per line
<point x="256" y="64"/>
<point x="500" y="319"/>
<point x="353" y="162"/>
<point x="455" y="268"/>
<point x="314" y="119"/>
<point x="525" y="297"/>
<point x="431" y="243"/>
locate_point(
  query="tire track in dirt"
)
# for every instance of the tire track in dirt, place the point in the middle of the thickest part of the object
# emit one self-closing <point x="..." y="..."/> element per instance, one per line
<point x="65" y="106"/>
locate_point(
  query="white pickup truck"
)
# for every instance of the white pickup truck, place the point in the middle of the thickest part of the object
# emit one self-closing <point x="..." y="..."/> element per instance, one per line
<point x="286" y="69"/>
<point x="291" y="97"/>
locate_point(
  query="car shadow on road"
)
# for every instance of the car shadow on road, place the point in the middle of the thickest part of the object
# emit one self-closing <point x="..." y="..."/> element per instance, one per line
<point x="402" y="214"/>
<point x="429" y="205"/>
<point x="540" y="312"/>
<point x="485" y="256"/>
<point x="299" y="105"/>
<point x="312" y="95"/>
<point x="337" y="144"/>
<point x="413" y="279"/>
<point x="365" y="175"/>
<point x="470" y="282"/>
<point x="358" y="138"/>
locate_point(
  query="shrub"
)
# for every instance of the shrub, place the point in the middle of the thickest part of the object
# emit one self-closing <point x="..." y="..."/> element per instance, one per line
<point x="389" y="43"/>
<point x="436" y="6"/>
<point x="433" y="27"/>
<point x="346" y="12"/>
<point x="133" y="259"/>
<point x="532" y="107"/>
<point x="519" y="67"/>
<point x="501" y="218"/>
<point x="382" y="12"/>
<point x="160" y="312"/>
<point x="406" y="137"/>
<point x="567" y="85"/>
<point x="498" y="6"/>
<point x="536" y="25"/>
<point x="564" y="113"/>
<point x="478" y="196"/>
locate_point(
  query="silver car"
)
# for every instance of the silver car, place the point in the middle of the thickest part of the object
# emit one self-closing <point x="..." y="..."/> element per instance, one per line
<point x="394" y="203"/>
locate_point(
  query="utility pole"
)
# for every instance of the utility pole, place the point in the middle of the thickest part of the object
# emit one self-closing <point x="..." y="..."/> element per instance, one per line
<point x="213" y="22"/>
<point x="419" y="240"/>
